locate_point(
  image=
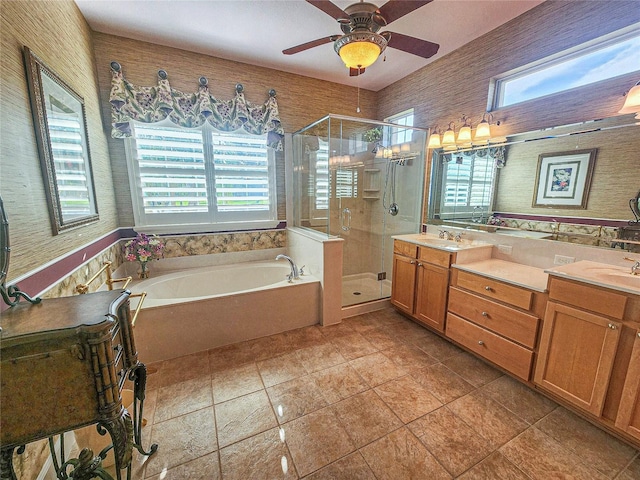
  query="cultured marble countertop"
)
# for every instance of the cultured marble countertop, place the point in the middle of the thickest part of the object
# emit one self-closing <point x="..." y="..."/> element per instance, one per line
<point x="599" y="274"/>
<point x="433" y="241"/>
<point x="515" y="273"/>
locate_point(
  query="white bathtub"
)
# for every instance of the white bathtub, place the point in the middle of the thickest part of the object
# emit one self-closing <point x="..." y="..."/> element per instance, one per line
<point x="199" y="309"/>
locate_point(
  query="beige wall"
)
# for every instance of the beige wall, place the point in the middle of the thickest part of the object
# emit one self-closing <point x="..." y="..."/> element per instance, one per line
<point x="301" y="100"/>
<point x="59" y="35"/>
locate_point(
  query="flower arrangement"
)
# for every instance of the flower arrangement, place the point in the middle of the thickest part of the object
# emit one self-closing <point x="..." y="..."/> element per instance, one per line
<point x="143" y="249"/>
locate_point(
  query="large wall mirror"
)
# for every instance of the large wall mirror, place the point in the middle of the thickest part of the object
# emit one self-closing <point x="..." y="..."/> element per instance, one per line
<point x="570" y="183"/>
<point x="61" y="134"/>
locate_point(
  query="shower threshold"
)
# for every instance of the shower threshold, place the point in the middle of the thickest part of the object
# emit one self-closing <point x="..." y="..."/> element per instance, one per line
<point x="363" y="287"/>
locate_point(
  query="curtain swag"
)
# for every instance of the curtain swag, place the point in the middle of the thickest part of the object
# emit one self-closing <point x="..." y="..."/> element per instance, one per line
<point x="190" y="110"/>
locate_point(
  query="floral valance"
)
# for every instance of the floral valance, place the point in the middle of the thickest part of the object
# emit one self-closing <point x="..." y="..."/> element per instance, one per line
<point x="190" y="110"/>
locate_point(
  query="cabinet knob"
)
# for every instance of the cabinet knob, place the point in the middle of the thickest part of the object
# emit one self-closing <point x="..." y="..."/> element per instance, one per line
<point x="419" y="264"/>
<point x="485" y="314"/>
<point x="487" y="288"/>
<point x="612" y="326"/>
<point x="412" y="262"/>
<point x="480" y="342"/>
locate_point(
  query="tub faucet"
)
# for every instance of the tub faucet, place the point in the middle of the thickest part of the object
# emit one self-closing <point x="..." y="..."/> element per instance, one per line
<point x="294" y="275"/>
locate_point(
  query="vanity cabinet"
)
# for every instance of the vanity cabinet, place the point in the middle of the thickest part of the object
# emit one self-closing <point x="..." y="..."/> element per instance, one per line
<point x="628" y="417"/>
<point x="420" y="282"/>
<point x="494" y="320"/>
<point x="579" y="341"/>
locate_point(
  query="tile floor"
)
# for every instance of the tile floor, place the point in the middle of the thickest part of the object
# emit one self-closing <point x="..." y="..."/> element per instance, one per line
<point x="376" y="397"/>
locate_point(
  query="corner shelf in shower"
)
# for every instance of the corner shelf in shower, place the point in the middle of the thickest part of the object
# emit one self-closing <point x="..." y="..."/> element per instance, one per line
<point x="371" y="190"/>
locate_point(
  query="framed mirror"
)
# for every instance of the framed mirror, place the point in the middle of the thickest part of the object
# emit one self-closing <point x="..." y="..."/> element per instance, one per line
<point x="61" y="134"/>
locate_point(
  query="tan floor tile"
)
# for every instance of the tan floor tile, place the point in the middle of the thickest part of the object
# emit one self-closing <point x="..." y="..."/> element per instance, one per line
<point x="353" y="346"/>
<point x="541" y="457"/>
<point x="351" y="467"/>
<point x="487" y="417"/>
<point x="409" y="357"/>
<point x="161" y="374"/>
<point x="202" y="468"/>
<point x="339" y="382"/>
<point x="362" y="323"/>
<point x="443" y="383"/>
<point x="235" y="381"/>
<point x="436" y="346"/>
<point x="495" y="467"/>
<point x="380" y="339"/>
<point x="258" y="457"/>
<point x="229" y="355"/>
<point x="472" y="369"/>
<point x="184" y="397"/>
<point x="337" y="330"/>
<point x="366" y="417"/>
<point x="317" y="440"/>
<point x="407" y="398"/>
<point x="281" y="369"/>
<point x="319" y="357"/>
<point x="632" y="472"/>
<point x="244" y="417"/>
<point x="456" y="446"/>
<point x="408" y="331"/>
<point x="520" y="399"/>
<point x="303" y="337"/>
<point x="182" y="439"/>
<point x="376" y="369"/>
<point x="400" y="455"/>
<point x="296" y="398"/>
<point x="596" y="448"/>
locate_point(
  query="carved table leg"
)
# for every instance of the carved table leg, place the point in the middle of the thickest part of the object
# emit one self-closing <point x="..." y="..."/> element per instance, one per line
<point x="139" y="377"/>
<point x="6" y="463"/>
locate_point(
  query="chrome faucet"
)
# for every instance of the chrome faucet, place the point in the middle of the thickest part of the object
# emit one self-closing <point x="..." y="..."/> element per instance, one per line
<point x="294" y="275"/>
<point x="635" y="268"/>
<point x="458" y="237"/>
<point x="445" y="234"/>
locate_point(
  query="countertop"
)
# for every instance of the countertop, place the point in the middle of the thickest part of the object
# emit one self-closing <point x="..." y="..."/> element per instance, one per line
<point x="521" y="275"/>
<point x="599" y="274"/>
<point x="433" y="241"/>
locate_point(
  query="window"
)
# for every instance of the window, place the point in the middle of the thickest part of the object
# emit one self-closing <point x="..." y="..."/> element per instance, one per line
<point x="199" y="179"/>
<point x="604" y="58"/>
<point x="399" y="135"/>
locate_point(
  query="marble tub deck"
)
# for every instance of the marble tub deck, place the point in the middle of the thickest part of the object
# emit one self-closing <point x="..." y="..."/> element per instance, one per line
<point x="376" y="397"/>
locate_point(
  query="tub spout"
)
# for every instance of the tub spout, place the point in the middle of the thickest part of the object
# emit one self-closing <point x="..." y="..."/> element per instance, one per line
<point x="294" y="275"/>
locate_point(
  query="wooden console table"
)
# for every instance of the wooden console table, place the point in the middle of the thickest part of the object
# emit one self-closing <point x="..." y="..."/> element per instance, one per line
<point x="63" y="364"/>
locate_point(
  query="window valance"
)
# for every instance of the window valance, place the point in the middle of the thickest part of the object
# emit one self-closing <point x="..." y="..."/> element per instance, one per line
<point x="190" y="110"/>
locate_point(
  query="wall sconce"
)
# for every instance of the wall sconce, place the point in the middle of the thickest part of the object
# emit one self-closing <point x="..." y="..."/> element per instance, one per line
<point x="483" y="131"/>
<point x="464" y="134"/>
<point x="434" y="139"/>
<point x="405" y="148"/>
<point x="632" y="101"/>
<point x="449" y="138"/>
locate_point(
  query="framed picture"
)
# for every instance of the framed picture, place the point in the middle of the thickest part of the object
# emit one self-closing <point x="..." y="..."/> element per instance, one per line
<point x="563" y="179"/>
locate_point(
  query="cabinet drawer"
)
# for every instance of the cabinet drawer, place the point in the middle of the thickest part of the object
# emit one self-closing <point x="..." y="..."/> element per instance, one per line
<point x="513" y="324"/>
<point x="510" y="356"/>
<point x="586" y="297"/>
<point x="516" y="296"/>
<point x="434" y="256"/>
<point x="405" y="248"/>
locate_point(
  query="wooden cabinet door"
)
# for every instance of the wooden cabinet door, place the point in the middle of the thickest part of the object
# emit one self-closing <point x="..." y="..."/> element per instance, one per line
<point x="628" y="418"/>
<point x="403" y="283"/>
<point x="577" y="350"/>
<point x="431" y="295"/>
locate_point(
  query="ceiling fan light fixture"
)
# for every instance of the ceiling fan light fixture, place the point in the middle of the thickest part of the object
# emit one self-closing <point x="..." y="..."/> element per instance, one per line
<point x="360" y="49"/>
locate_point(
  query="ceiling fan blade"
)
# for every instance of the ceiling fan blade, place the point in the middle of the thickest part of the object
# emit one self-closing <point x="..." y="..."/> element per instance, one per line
<point x="329" y="8"/>
<point x="394" y="9"/>
<point x="306" y="46"/>
<point x="354" y="72"/>
<point x="421" y="48"/>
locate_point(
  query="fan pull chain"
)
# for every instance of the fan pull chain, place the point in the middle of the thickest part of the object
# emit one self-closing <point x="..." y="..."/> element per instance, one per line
<point x="358" y="107"/>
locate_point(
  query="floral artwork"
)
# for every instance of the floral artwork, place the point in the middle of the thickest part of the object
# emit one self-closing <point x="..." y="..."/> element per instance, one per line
<point x="563" y="179"/>
<point x="143" y="249"/>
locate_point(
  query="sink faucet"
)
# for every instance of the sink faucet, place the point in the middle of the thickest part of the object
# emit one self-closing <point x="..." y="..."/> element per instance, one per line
<point x="445" y="234"/>
<point x="294" y="275"/>
<point x="635" y="268"/>
<point x="458" y="237"/>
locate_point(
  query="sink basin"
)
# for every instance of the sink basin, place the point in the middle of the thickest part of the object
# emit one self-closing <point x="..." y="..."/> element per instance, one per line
<point x="614" y="275"/>
<point x="435" y="241"/>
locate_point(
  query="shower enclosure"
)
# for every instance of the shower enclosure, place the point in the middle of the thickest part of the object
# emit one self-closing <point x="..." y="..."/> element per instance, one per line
<point x="363" y="181"/>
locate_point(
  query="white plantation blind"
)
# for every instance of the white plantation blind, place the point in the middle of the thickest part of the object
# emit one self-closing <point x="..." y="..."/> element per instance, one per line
<point x="185" y="176"/>
<point x="68" y="149"/>
<point x="346" y="183"/>
<point x="467" y="183"/>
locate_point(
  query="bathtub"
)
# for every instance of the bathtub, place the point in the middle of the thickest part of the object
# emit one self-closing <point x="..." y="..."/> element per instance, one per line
<point x="202" y="308"/>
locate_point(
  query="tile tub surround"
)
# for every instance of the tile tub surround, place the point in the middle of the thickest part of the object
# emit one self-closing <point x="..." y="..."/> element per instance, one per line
<point x="303" y="398"/>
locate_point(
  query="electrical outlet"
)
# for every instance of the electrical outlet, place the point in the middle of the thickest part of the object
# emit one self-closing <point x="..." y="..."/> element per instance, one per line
<point x="563" y="260"/>
<point x="506" y="249"/>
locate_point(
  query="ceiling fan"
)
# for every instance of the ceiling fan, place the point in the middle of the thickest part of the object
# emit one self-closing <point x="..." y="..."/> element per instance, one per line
<point x="361" y="44"/>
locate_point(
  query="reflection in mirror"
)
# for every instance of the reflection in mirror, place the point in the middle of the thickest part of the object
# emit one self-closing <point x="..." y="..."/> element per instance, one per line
<point x="494" y="191"/>
<point x="61" y="134"/>
<point x="634" y="203"/>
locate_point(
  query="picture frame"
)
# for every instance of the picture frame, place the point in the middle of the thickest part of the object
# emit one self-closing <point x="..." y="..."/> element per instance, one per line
<point x="563" y="179"/>
<point x="60" y="126"/>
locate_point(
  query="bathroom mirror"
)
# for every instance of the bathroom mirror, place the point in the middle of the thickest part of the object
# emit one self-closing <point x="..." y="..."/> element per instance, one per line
<point x="491" y="188"/>
<point x="61" y="135"/>
<point x="634" y="203"/>
<point x="4" y="246"/>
